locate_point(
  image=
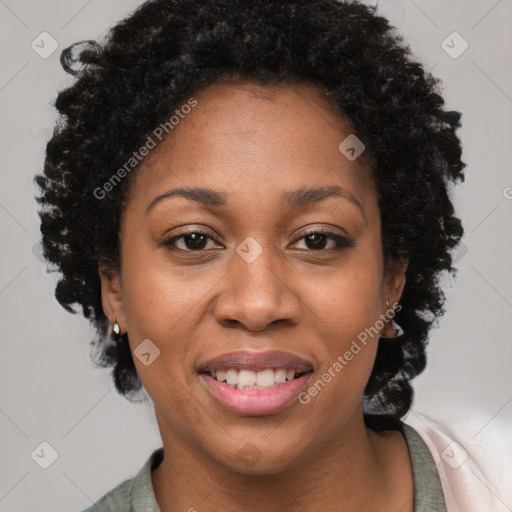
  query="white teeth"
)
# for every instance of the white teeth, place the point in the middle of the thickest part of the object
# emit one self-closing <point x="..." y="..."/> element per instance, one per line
<point x="221" y="375"/>
<point x="248" y="379"/>
<point x="281" y="375"/>
<point x="265" y="378"/>
<point x="232" y="377"/>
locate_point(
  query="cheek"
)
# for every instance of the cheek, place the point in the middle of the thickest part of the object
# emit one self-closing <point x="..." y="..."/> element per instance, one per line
<point x="347" y="299"/>
<point x="160" y="307"/>
<point x="346" y="310"/>
<point x="160" y="300"/>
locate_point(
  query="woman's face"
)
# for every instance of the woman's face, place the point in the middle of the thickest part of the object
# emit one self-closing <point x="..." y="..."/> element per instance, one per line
<point x="256" y="279"/>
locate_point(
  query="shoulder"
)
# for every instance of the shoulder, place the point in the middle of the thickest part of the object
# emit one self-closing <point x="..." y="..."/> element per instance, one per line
<point x="416" y="467"/>
<point x="118" y="499"/>
<point x="469" y="468"/>
<point x="134" y="494"/>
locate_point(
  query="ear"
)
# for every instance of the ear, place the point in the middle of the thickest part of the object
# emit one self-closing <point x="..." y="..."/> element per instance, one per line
<point x="395" y="280"/>
<point x="111" y="295"/>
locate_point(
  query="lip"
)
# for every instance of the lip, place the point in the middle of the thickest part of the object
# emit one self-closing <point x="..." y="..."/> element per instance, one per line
<point x="256" y="402"/>
<point x="257" y="361"/>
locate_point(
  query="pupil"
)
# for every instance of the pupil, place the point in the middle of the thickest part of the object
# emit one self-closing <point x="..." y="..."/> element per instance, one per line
<point x="315" y="238"/>
<point x="197" y="241"/>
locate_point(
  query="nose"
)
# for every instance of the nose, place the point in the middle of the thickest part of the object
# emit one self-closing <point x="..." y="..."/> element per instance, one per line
<point x="257" y="294"/>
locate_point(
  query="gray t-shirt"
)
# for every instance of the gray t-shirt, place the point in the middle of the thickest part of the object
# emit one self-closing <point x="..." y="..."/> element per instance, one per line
<point x="137" y="495"/>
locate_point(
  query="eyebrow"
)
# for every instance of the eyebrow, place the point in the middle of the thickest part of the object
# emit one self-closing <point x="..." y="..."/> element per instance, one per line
<point x="292" y="199"/>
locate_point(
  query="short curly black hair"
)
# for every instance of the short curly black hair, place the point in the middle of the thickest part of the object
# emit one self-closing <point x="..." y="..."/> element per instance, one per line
<point x="167" y="50"/>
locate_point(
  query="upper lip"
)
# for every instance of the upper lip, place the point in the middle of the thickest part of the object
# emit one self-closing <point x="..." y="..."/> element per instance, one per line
<point x="257" y="361"/>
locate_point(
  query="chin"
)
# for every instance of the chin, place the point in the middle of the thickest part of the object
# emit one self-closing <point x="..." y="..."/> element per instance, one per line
<point x="259" y="459"/>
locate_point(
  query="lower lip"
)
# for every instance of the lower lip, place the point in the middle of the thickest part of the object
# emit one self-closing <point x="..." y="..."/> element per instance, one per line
<point x="251" y="402"/>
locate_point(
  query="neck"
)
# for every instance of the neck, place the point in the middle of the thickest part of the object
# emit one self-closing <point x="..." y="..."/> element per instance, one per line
<point x="358" y="469"/>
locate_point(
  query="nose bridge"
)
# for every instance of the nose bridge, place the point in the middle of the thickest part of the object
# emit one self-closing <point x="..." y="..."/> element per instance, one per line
<point x="256" y="292"/>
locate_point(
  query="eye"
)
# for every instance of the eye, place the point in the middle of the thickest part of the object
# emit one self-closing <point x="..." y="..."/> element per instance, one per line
<point x="196" y="240"/>
<point x="317" y="239"/>
<point x="192" y="240"/>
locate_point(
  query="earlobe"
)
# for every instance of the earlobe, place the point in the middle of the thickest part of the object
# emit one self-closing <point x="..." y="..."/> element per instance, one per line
<point x="111" y="295"/>
<point x="395" y="280"/>
<point x="394" y="285"/>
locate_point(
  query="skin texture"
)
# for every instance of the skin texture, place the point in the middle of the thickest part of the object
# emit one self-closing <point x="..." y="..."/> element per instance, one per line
<point x="253" y="143"/>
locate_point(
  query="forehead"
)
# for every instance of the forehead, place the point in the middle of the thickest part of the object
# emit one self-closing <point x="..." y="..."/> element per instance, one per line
<point x="255" y="140"/>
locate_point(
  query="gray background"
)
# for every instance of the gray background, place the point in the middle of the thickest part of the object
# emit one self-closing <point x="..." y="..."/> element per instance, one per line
<point x="51" y="391"/>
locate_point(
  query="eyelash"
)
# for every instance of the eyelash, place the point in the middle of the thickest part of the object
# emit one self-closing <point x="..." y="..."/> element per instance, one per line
<point x="341" y="241"/>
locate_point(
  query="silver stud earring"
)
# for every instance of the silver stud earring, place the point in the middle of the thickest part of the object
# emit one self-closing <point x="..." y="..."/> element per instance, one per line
<point x="115" y="333"/>
<point x="398" y="330"/>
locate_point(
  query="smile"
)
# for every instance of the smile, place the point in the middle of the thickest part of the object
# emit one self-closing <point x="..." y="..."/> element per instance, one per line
<point x="256" y="402"/>
<point x="248" y="379"/>
<point x="255" y="383"/>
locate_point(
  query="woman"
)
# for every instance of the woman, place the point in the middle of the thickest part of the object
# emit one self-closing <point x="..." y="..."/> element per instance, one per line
<point x="249" y="200"/>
